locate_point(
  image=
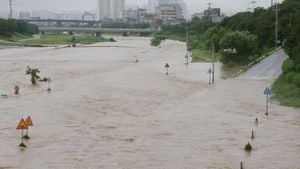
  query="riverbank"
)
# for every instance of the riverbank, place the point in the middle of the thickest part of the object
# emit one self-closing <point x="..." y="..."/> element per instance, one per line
<point x="50" y="39"/>
<point x="286" y="92"/>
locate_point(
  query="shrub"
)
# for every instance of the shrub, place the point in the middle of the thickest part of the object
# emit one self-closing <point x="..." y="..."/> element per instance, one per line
<point x="296" y="79"/>
<point x="34" y="74"/>
<point x="298" y="68"/>
<point x="288" y="66"/>
<point x="289" y="77"/>
<point x="155" y="42"/>
<point x="112" y="40"/>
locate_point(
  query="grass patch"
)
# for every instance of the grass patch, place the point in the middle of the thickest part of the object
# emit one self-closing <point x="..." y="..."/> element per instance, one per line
<point x="14" y="37"/>
<point x="200" y="55"/>
<point x="2" y="43"/>
<point x="13" y="40"/>
<point x="288" y="94"/>
<point x="64" y="39"/>
<point x="49" y="39"/>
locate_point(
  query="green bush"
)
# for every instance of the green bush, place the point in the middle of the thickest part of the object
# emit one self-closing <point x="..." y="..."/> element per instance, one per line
<point x="289" y="77"/>
<point x="298" y="68"/>
<point x="155" y="42"/>
<point x="243" y="42"/>
<point x="296" y="79"/>
<point x="288" y="66"/>
<point x="34" y="75"/>
<point x="287" y="93"/>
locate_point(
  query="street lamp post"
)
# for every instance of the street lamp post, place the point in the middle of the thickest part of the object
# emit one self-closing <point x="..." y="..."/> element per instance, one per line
<point x="213" y="63"/>
<point x="187" y="45"/>
<point x="276" y="22"/>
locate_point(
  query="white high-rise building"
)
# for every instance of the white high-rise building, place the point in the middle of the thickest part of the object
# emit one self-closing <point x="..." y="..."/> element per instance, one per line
<point x="110" y="9"/>
<point x="104" y="9"/>
<point x="117" y="8"/>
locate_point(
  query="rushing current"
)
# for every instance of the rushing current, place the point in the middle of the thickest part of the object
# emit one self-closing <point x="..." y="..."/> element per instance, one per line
<point x="107" y="111"/>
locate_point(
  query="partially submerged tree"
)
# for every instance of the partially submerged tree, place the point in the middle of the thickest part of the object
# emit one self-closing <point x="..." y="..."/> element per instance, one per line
<point x="34" y="75"/>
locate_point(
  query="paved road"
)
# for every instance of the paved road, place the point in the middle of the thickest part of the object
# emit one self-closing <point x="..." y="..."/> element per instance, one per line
<point x="269" y="68"/>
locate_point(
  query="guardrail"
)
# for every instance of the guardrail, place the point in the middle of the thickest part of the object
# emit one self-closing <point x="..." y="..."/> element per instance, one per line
<point x="95" y="30"/>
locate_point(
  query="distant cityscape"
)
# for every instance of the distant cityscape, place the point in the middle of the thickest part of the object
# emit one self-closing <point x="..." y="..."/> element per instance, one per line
<point x="156" y="12"/>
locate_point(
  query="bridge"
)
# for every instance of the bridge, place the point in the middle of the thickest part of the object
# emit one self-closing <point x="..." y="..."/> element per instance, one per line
<point x="38" y="21"/>
<point x="95" y="30"/>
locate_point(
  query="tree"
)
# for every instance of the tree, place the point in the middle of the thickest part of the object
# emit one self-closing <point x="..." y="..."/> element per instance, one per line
<point x="243" y="42"/>
<point x="10" y="26"/>
<point x="34" y="74"/>
<point x="214" y="36"/>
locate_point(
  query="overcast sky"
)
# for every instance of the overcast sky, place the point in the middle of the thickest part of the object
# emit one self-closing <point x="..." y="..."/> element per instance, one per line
<point x="227" y="6"/>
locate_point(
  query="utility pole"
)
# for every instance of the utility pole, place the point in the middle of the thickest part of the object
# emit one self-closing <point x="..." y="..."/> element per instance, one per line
<point x="276" y="23"/>
<point x="213" y="63"/>
<point x="187" y="45"/>
<point x="248" y="4"/>
<point x="272" y="3"/>
<point x="253" y="5"/>
<point x="10" y="9"/>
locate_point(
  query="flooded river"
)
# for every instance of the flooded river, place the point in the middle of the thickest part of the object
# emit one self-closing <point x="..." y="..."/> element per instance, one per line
<point x="107" y="112"/>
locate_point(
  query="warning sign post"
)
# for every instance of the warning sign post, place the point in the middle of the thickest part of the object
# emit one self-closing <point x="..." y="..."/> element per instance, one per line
<point x="28" y="122"/>
<point x="21" y="126"/>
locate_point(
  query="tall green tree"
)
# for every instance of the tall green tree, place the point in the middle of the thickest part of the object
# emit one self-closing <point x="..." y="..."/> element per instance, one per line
<point x="243" y="43"/>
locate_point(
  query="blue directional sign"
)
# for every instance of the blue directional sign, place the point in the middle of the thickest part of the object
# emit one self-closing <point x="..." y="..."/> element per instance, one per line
<point x="267" y="91"/>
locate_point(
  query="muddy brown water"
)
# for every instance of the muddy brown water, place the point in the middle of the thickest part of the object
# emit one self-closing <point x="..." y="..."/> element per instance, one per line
<point x="105" y="111"/>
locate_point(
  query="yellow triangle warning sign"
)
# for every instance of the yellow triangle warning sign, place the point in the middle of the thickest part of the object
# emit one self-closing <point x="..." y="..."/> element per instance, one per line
<point x="22" y="125"/>
<point x="28" y="121"/>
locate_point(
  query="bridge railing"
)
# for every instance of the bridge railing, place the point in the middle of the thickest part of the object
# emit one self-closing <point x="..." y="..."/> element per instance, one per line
<point x="83" y="29"/>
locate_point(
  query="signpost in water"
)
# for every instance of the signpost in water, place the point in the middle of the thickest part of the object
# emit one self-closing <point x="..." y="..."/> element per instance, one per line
<point x="28" y="122"/>
<point x="21" y="126"/>
<point x="267" y="92"/>
<point x="167" y="66"/>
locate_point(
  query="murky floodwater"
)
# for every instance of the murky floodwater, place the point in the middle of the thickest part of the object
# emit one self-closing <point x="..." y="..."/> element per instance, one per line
<point x="105" y="111"/>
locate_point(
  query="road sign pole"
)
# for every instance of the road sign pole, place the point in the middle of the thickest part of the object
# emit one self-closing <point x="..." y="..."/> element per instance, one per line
<point x="213" y="63"/>
<point x="209" y="76"/>
<point x="26" y="136"/>
<point x="267" y="92"/>
<point x="267" y="105"/>
<point x="21" y="126"/>
<point x="22" y="137"/>
<point x="187" y="45"/>
<point x="49" y="85"/>
<point x="22" y="143"/>
<point x="28" y="122"/>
